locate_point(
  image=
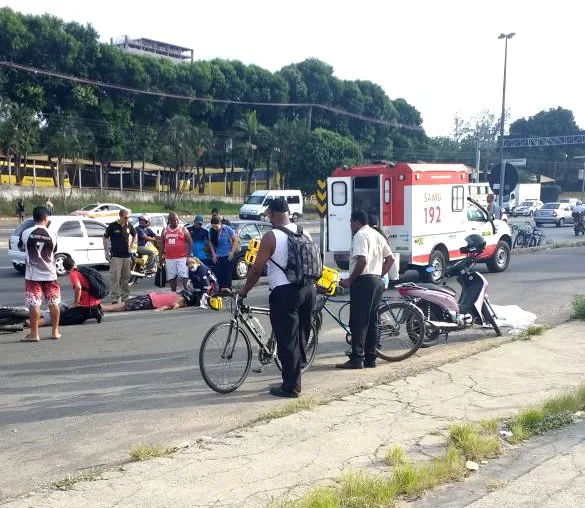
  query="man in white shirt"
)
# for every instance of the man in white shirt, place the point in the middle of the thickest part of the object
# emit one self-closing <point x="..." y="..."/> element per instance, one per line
<point x="40" y="278"/>
<point x="370" y="259"/>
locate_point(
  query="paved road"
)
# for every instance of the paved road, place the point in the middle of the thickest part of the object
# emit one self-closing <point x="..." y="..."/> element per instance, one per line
<point x="84" y="400"/>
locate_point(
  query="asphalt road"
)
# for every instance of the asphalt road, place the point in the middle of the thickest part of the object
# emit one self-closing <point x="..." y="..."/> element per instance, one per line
<point x="84" y="400"/>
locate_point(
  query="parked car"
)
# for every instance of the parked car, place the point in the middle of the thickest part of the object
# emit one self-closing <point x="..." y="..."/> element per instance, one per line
<point x="104" y="212"/>
<point x="570" y="201"/>
<point x="246" y="231"/>
<point x="558" y="214"/>
<point x="78" y="238"/>
<point x="158" y="221"/>
<point x="526" y="208"/>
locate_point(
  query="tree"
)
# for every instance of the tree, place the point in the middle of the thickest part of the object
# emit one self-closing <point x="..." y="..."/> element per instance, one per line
<point x="249" y="126"/>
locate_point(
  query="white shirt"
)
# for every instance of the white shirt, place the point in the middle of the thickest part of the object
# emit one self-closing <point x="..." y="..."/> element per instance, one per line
<point x="40" y="245"/>
<point x="373" y="246"/>
<point x="276" y="277"/>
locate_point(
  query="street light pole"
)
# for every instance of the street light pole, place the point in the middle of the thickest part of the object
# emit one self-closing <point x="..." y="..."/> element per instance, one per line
<point x="502" y="119"/>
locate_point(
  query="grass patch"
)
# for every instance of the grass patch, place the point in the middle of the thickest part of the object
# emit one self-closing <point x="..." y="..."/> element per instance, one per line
<point x="492" y="484"/>
<point x="69" y="481"/>
<point x="531" y="331"/>
<point x="188" y="205"/>
<point x="476" y="442"/>
<point x="395" y="457"/>
<point x="552" y="414"/>
<point x="140" y="452"/>
<point x="303" y="403"/>
<point x="578" y="307"/>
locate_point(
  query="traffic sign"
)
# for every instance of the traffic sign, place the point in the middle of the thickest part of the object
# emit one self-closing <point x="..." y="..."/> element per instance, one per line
<point x="511" y="178"/>
<point x="321" y="198"/>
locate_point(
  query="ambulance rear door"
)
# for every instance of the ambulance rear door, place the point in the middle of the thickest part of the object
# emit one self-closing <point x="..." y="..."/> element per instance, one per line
<point x="339" y="209"/>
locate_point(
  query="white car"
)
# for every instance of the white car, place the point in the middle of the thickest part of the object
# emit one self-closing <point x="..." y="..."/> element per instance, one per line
<point x="557" y="213"/>
<point x="104" y="212"/>
<point x="527" y="208"/>
<point x="77" y="237"/>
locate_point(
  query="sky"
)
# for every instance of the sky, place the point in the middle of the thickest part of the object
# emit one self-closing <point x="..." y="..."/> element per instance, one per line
<point x="442" y="56"/>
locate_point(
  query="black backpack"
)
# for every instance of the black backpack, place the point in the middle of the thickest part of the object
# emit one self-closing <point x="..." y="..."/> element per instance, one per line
<point x="98" y="288"/>
<point x="304" y="261"/>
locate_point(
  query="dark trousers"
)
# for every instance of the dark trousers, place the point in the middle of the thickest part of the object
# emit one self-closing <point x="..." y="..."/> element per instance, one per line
<point x="223" y="271"/>
<point x="291" y="309"/>
<point x="365" y="295"/>
<point x="77" y="315"/>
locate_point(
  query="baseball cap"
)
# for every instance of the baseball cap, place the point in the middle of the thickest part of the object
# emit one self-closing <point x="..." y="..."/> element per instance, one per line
<point x="278" y="205"/>
<point x="198" y="219"/>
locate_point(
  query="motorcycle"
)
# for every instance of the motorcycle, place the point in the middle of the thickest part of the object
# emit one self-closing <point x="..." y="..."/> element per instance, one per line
<point x="12" y="319"/>
<point x="443" y="312"/>
<point x="139" y="262"/>
<point x="579" y="219"/>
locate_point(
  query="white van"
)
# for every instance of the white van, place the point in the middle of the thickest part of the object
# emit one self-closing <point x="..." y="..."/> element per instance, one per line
<point x="255" y="206"/>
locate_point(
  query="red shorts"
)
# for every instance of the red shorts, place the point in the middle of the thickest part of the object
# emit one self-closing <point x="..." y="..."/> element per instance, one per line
<point x="35" y="290"/>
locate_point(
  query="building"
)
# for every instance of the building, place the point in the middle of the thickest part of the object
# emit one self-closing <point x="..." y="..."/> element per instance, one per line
<point x="150" y="47"/>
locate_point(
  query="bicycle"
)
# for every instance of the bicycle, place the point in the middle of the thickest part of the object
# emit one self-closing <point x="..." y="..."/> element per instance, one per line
<point x="527" y="236"/>
<point x="401" y="324"/>
<point x="227" y="346"/>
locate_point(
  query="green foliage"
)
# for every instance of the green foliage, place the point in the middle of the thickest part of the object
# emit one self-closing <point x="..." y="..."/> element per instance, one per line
<point x="75" y="121"/>
<point x="475" y="442"/>
<point x="550" y="193"/>
<point x="578" y="307"/>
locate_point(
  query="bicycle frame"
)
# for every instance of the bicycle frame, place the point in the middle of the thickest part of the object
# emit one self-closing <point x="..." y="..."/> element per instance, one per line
<point x="237" y="320"/>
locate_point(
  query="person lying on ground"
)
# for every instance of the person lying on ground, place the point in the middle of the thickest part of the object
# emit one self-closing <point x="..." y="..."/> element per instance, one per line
<point x="157" y="301"/>
<point x="68" y="316"/>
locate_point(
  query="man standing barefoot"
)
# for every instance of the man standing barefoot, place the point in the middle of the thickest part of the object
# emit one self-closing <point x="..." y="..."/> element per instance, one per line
<point x="40" y="279"/>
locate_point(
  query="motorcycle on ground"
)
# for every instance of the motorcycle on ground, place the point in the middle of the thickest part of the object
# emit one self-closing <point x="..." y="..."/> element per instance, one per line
<point x="579" y="220"/>
<point x="12" y="319"/>
<point x="140" y="269"/>
<point x="443" y="312"/>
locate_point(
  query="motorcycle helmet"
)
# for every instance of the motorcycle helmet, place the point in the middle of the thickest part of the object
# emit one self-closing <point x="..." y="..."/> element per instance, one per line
<point x="144" y="218"/>
<point x="475" y="244"/>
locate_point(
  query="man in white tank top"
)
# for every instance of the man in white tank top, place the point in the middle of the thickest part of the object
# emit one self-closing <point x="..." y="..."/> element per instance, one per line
<point x="291" y="306"/>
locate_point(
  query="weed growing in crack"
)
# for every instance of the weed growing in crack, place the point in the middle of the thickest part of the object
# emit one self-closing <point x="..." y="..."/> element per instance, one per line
<point x="493" y="484"/>
<point x="140" y="452"/>
<point x="475" y="442"/>
<point x="69" y="481"/>
<point x="395" y="457"/>
<point x="303" y="403"/>
<point x="531" y="331"/>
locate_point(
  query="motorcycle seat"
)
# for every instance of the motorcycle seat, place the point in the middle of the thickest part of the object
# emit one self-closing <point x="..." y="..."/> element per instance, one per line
<point x="436" y="287"/>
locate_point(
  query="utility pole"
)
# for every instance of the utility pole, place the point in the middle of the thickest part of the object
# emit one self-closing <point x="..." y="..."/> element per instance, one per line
<point x="477" y="163"/>
<point x="502" y="120"/>
<point x="310" y="118"/>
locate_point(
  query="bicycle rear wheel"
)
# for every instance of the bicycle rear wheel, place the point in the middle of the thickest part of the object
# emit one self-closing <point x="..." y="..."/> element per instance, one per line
<point x="402" y="331"/>
<point x="518" y="241"/>
<point x="224" y="358"/>
<point x="310" y="351"/>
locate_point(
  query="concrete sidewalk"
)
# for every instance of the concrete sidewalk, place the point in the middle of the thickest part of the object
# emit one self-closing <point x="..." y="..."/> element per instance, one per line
<point x="248" y="468"/>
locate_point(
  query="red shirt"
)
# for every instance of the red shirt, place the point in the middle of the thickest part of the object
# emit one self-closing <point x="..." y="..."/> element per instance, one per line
<point x="175" y="244"/>
<point x="85" y="299"/>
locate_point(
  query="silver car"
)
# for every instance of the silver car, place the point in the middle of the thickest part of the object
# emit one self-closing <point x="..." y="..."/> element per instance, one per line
<point x="558" y="214"/>
<point x="527" y="208"/>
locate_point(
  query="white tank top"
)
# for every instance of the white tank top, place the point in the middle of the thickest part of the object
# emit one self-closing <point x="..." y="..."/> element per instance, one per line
<point x="276" y="277"/>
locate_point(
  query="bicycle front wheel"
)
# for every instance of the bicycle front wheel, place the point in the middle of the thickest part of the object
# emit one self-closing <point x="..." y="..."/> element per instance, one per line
<point x="401" y="329"/>
<point x="224" y="357"/>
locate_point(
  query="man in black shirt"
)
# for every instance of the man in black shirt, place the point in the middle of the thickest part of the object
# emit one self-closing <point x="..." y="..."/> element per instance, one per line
<point x="122" y="238"/>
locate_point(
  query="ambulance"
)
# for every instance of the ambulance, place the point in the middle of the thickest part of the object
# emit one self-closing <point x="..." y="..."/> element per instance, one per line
<point x="425" y="210"/>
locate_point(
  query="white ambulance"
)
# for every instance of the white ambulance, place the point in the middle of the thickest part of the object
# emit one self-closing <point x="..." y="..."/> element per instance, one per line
<point x="424" y="210"/>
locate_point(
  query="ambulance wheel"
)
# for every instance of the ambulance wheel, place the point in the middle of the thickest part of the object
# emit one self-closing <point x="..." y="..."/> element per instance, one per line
<point x="501" y="258"/>
<point x="438" y="262"/>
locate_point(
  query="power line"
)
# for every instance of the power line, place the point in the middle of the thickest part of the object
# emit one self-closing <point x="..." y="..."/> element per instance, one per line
<point x="102" y="84"/>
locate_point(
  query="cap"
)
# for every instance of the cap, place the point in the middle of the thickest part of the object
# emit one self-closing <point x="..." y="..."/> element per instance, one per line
<point x="278" y="205"/>
<point x="198" y="219"/>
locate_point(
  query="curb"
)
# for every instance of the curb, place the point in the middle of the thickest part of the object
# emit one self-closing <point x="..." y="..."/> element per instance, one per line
<point x="550" y="246"/>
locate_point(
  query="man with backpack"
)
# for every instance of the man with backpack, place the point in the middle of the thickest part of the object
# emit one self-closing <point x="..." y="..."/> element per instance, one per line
<point x="294" y="265"/>
<point x="88" y="286"/>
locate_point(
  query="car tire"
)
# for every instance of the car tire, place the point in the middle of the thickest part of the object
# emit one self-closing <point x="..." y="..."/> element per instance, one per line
<point x="538" y="224"/>
<point x="240" y="269"/>
<point x="437" y="259"/>
<point x="501" y="259"/>
<point x="342" y="265"/>
<point x="531" y="214"/>
<point x="561" y="222"/>
<point x="19" y="268"/>
<point x="59" y="258"/>
<point x="295" y="217"/>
